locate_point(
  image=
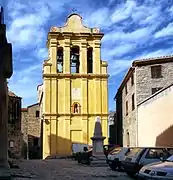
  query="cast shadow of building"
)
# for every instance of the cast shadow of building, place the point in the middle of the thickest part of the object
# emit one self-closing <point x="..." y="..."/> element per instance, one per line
<point x="165" y="138"/>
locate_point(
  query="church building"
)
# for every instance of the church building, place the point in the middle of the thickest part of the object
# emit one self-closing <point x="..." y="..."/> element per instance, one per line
<point x="75" y="87"/>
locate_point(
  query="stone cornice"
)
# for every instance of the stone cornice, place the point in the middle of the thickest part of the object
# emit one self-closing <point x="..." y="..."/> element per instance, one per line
<point x="60" y="75"/>
<point x="64" y="35"/>
<point x="75" y="115"/>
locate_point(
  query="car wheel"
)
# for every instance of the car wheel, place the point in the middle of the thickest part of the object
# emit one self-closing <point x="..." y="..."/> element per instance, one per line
<point x="130" y="174"/>
<point x="113" y="167"/>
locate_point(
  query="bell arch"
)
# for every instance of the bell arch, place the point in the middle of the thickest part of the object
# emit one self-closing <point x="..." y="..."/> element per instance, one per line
<point x="74" y="59"/>
<point x="90" y="60"/>
<point x="60" y="60"/>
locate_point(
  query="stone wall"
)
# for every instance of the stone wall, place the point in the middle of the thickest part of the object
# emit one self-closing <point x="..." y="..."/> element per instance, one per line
<point x="14" y="125"/>
<point x="142" y="88"/>
<point x="144" y="82"/>
<point x="129" y="120"/>
<point x="31" y="128"/>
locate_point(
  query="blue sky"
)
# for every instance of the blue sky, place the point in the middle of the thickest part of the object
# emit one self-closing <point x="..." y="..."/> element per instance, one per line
<point x="133" y="30"/>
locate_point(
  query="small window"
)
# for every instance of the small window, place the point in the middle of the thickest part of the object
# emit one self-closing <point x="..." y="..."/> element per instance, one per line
<point x="11" y="144"/>
<point x="133" y="102"/>
<point x="126" y="108"/>
<point x="76" y="108"/>
<point x="132" y="79"/>
<point x="126" y="88"/>
<point x="37" y="113"/>
<point x="154" y="90"/>
<point x="156" y="71"/>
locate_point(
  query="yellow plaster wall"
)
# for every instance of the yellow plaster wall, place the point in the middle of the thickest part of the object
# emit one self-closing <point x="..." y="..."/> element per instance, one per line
<point x="61" y="127"/>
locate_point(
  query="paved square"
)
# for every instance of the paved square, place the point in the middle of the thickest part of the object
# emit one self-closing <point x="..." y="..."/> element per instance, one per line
<point x="61" y="169"/>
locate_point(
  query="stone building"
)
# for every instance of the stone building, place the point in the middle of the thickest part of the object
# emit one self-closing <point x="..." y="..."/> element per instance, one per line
<point x="31" y="129"/>
<point x="144" y="78"/>
<point x="14" y="125"/>
<point x="112" y="127"/>
<point x="75" y="87"/>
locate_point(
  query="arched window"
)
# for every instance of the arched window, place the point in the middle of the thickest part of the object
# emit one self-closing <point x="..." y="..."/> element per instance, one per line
<point x="76" y="108"/>
<point x="74" y="59"/>
<point x="90" y="60"/>
<point x="60" y="60"/>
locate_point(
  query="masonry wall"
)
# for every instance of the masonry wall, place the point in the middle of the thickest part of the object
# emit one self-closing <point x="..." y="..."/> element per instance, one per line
<point x="129" y="120"/>
<point x="144" y="82"/>
<point x="31" y="129"/>
<point x="14" y="126"/>
<point x="24" y="129"/>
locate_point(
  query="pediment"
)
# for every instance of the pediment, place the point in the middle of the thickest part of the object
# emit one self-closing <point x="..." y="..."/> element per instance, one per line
<point x="73" y="25"/>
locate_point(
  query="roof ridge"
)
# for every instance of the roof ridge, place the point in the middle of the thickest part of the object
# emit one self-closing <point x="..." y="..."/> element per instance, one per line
<point x="153" y="58"/>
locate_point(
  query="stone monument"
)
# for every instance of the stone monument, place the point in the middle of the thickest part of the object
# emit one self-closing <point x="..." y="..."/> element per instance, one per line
<point x="5" y="72"/>
<point x="98" y="139"/>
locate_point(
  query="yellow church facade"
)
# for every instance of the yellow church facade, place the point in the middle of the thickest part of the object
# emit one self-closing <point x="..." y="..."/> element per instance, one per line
<point x="75" y="87"/>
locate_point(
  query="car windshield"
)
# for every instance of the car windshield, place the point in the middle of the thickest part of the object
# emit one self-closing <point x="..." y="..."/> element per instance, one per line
<point x="115" y="151"/>
<point x="170" y="159"/>
<point x="133" y="152"/>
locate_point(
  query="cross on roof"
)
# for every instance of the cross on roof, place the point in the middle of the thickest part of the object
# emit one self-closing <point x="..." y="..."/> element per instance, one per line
<point x="74" y="10"/>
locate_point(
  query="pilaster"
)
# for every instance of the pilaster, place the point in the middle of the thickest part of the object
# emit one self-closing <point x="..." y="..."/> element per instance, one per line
<point x="54" y="94"/>
<point x="67" y="135"/>
<point x="47" y="96"/>
<point x="98" y="100"/>
<point x="83" y="57"/>
<point x="96" y="57"/>
<point x="67" y="96"/>
<point x="85" y="125"/>
<point x="66" y="59"/>
<point x="53" y="55"/>
<point x="53" y="135"/>
<point x="104" y="124"/>
<point x="104" y="95"/>
<point x="46" y="137"/>
<point x="84" y="100"/>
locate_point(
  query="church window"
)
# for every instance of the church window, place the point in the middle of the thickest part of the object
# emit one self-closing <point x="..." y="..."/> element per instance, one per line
<point x="74" y="59"/>
<point x="89" y="60"/>
<point x="60" y="60"/>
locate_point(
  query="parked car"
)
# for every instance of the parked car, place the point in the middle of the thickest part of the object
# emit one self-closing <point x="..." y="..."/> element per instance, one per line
<point x="108" y="148"/>
<point x="162" y="170"/>
<point x="138" y="157"/>
<point x="115" y="157"/>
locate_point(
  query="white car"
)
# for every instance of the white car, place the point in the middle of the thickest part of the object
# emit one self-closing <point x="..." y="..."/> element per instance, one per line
<point x="115" y="157"/>
<point x="162" y="170"/>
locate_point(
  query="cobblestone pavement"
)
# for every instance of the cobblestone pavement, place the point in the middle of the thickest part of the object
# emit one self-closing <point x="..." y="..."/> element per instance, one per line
<point x="61" y="169"/>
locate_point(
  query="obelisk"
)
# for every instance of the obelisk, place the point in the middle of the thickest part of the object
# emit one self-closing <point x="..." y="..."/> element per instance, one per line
<point x="6" y="71"/>
<point x="98" y="139"/>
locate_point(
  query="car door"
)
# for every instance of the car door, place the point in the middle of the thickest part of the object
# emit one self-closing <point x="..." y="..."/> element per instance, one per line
<point x="151" y="155"/>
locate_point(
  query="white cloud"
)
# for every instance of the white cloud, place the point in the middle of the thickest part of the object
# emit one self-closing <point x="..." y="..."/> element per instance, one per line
<point x="118" y="66"/>
<point x="98" y="18"/>
<point x="24" y="83"/>
<point x="139" y="36"/>
<point x="167" y="31"/>
<point x="123" y="11"/>
<point x="156" y="53"/>
<point x="120" y="50"/>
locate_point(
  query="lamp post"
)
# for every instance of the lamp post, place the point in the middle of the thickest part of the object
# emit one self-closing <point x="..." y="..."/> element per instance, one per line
<point x="6" y="71"/>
